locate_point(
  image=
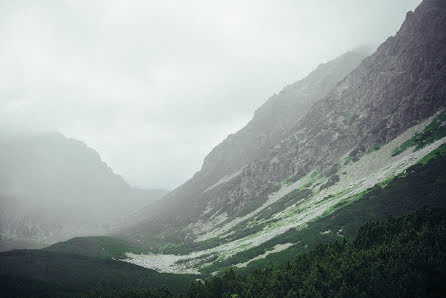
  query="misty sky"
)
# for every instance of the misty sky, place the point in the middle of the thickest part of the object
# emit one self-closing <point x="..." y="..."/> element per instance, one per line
<point x="154" y="85"/>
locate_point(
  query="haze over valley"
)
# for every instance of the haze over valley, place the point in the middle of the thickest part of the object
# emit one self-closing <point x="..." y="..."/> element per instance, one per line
<point x="202" y="149"/>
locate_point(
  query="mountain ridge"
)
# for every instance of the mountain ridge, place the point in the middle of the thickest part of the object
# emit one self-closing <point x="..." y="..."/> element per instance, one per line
<point x="315" y="85"/>
<point x="342" y="146"/>
<point x="316" y="127"/>
<point x="54" y="188"/>
<point x="387" y="93"/>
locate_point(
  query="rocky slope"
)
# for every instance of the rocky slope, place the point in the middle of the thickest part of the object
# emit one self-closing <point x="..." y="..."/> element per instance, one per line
<point x="401" y="84"/>
<point x="394" y="100"/>
<point x="271" y="122"/>
<point x="53" y="188"/>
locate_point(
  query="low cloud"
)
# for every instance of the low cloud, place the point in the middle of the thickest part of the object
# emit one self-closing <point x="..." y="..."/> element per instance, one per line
<point x="154" y="85"/>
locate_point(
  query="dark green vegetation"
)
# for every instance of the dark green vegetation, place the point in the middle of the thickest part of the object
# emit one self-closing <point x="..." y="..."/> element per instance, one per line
<point x="434" y="131"/>
<point x="331" y="181"/>
<point x="375" y="147"/>
<point x="100" y="246"/>
<point x="400" y="257"/>
<point x="289" y="199"/>
<point x="423" y="184"/>
<point x="51" y="274"/>
<point x="176" y="242"/>
<point x="404" y="257"/>
<point x="109" y="247"/>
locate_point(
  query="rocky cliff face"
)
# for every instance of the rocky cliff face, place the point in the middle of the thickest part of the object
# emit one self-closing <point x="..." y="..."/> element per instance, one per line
<point x="396" y="87"/>
<point x="271" y="123"/>
<point x="273" y="120"/>
<point x="401" y="84"/>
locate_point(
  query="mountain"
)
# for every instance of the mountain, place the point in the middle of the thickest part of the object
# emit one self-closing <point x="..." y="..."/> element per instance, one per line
<point x="398" y="86"/>
<point x="271" y="122"/>
<point x="307" y="207"/>
<point x="368" y="126"/>
<point x="53" y="188"/>
<point x="418" y="186"/>
<point x="402" y="256"/>
<point x="394" y="258"/>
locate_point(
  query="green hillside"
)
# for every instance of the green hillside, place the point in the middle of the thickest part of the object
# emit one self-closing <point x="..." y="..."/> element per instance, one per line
<point x="51" y="274"/>
<point x="96" y="246"/>
<point x="420" y="185"/>
<point x="423" y="184"/>
<point x="403" y="257"/>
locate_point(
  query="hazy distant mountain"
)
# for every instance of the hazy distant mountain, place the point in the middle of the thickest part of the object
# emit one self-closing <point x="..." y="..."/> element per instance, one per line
<point x="53" y="187"/>
<point x="312" y="149"/>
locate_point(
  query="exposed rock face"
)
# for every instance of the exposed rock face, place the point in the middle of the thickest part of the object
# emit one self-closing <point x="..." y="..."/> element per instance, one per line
<point x="273" y="120"/>
<point x="396" y="87"/>
<point x="402" y="83"/>
<point x="271" y="123"/>
<point x="52" y="188"/>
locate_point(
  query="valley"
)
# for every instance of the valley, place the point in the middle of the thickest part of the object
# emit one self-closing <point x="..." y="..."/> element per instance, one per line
<point x="335" y="188"/>
<point x="275" y="218"/>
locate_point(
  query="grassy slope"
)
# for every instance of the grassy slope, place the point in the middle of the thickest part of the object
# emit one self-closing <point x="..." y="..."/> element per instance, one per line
<point x="422" y="185"/>
<point x="96" y="246"/>
<point x="47" y="273"/>
<point x="434" y="131"/>
<point x="88" y="265"/>
<point x="116" y="248"/>
<point x="403" y="257"/>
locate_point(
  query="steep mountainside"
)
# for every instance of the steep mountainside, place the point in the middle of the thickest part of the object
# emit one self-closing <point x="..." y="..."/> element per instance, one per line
<point x="393" y="89"/>
<point x="381" y="119"/>
<point x="399" y="85"/>
<point x="52" y="187"/>
<point x="403" y="257"/>
<point x="270" y="124"/>
<point x="273" y="120"/>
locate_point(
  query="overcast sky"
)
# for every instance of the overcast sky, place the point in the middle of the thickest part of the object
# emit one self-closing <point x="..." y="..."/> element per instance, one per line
<point x="154" y="85"/>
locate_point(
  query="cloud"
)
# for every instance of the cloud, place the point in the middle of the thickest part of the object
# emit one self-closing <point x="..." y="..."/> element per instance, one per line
<point x="154" y="85"/>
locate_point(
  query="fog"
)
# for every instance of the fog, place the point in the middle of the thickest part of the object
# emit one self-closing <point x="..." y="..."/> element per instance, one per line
<point x="154" y="85"/>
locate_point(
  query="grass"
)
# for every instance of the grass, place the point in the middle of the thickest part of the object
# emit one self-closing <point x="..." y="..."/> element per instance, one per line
<point x="432" y="132"/>
<point x="97" y="246"/>
<point x="437" y="153"/>
<point x="55" y="274"/>
<point x="376" y="147"/>
<point x="421" y="185"/>
<point x="399" y="257"/>
<point x="286" y="201"/>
